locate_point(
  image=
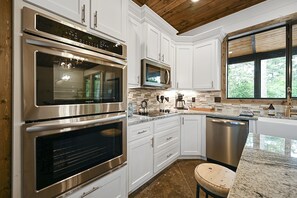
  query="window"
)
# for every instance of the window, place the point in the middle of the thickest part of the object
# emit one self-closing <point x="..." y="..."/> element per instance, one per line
<point x="294" y="61"/>
<point x="259" y="64"/>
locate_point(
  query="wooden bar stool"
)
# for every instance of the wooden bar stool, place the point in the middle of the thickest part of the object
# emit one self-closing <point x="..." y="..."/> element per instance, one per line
<point x="215" y="180"/>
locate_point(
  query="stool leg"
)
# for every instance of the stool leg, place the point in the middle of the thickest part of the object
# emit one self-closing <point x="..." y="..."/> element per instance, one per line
<point x="197" y="191"/>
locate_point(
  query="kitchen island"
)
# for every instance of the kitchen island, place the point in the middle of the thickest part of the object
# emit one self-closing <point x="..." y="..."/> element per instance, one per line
<point x="267" y="168"/>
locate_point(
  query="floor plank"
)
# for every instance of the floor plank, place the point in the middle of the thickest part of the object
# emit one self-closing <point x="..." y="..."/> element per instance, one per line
<point x="176" y="181"/>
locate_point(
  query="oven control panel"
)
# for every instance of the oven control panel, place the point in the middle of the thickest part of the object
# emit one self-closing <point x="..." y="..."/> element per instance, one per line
<point x="55" y="28"/>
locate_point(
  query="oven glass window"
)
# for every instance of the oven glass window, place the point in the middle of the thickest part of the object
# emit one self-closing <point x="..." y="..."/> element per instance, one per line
<point x="157" y="75"/>
<point x="70" y="79"/>
<point x="60" y="156"/>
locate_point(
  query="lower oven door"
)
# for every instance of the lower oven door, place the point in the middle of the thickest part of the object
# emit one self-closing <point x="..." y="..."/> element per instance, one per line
<point x="61" y="155"/>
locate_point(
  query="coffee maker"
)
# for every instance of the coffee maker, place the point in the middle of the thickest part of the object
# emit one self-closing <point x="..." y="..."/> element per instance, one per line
<point x="180" y="103"/>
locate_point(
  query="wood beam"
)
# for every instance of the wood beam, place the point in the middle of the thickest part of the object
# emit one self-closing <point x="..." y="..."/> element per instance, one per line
<point x="5" y="97"/>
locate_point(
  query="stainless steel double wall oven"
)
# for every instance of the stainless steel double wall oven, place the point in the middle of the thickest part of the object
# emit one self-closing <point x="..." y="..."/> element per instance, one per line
<point x="74" y="105"/>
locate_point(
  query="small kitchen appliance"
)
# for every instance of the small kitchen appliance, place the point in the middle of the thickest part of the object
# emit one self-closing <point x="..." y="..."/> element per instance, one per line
<point x="180" y="103"/>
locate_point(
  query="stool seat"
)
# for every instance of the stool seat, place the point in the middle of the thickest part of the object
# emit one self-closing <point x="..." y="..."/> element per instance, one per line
<point x="214" y="178"/>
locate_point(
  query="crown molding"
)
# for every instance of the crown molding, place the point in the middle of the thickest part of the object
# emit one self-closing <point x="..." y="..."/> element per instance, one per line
<point x="148" y="15"/>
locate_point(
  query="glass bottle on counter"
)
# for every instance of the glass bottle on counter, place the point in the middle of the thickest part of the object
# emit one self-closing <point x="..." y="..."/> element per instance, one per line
<point x="271" y="110"/>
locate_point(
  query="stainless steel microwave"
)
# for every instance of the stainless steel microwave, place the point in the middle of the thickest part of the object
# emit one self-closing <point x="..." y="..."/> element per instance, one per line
<point x="155" y="75"/>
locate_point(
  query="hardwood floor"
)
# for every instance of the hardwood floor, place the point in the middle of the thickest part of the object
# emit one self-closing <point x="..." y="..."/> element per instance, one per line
<point x="176" y="181"/>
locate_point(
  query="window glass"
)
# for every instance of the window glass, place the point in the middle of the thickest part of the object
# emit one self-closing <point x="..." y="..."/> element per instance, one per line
<point x="294" y="61"/>
<point x="273" y="78"/>
<point x="241" y="80"/>
<point x="257" y="65"/>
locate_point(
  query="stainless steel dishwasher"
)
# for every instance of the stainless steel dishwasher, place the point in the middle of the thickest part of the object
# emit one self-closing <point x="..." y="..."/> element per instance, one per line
<point x="225" y="139"/>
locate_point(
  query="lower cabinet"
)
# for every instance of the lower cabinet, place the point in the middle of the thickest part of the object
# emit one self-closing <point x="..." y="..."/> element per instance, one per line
<point x="113" y="185"/>
<point x="140" y="154"/>
<point x="166" y="142"/>
<point x="191" y="135"/>
<point x="140" y="162"/>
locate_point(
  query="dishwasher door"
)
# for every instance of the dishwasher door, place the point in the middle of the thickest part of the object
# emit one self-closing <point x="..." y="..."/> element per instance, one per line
<point x="225" y="139"/>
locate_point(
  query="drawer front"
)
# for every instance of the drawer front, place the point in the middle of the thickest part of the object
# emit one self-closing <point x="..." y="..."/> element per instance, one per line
<point x="167" y="123"/>
<point x="139" y="131"/>
<point x="166" y="157"/>
<point x="166" y="138"/>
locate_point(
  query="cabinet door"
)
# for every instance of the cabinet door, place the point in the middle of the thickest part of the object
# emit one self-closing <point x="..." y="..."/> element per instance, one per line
<point x="206" y="66"/>
<point x="165" y="49"/>
<point x="134" y="49"/>
<point x="184" y="64"/>
<point x="153" y="43"/>
<point x="172" y="65"/>
<point x="109" y="17"/>
<point x="75" y="10"/>
<point x="191" y="135"/>
<point x="140" y="162"/>
<point x="112" y="185"/>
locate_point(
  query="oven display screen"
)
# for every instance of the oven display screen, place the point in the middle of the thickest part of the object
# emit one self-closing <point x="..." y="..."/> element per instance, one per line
<point x="60" y="156"/>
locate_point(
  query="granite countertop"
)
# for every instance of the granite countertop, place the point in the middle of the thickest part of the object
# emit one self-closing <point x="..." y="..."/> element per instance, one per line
<point x="267" y="168"/>
<point x="137" y="119"/>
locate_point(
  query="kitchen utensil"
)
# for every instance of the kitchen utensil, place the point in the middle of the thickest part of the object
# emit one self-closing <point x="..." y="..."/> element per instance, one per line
<point x="162" y="99"/>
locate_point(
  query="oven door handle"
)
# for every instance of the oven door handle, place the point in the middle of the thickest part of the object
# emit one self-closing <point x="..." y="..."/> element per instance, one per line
<point x="48" y="127"/>
<point x="168" y="77"/>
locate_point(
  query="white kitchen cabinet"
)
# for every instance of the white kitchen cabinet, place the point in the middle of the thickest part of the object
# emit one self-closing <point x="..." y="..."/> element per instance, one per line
<point x="75" y="10"/>
<point x="191" y="135"/>
<point x="165" y="49"/>
<point x="206" y="66"/>
<point x="140" y="162"/>
<point x="140" y="154"/>
<point x="156" y="44"/>
<point x="113" y="185"/>
<point x="134" y="52"/>
<point x="184" y="65"/>
<point x="166" y="142"/>
<point x="173" y="66"/>
<point x="110" y="17"/>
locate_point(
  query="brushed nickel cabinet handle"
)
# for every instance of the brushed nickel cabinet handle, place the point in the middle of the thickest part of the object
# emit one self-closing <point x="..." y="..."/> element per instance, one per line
<point x="89" y="192"/>
<point x="95" y="18"/>
<point x="83" y="13"/>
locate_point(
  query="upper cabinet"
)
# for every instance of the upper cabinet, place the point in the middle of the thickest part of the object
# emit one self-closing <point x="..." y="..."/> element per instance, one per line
<point x="75" y="10"/>
<point x="134" y="52"/>
<point x="184" y="66"/>
<point x="109" y="17"/>
<point x="156" y="44"/>
<point x="173" y="65"/>
<point x="207" y="64"/>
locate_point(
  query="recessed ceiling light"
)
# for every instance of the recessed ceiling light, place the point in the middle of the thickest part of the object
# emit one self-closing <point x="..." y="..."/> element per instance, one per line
<point x="194" y="1"/>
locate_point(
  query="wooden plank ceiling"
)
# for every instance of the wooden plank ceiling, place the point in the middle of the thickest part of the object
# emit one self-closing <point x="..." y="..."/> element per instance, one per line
<point x="185" y="15"/>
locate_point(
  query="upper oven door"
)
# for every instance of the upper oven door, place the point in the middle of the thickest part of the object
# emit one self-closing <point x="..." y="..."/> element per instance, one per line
<point x="155" y="75"/>
<point x="60" y="80"/>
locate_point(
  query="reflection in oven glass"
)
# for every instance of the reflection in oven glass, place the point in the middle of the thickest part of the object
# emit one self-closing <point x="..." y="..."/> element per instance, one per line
<point x="71" y="79"/>
<point x="60" y="156"/>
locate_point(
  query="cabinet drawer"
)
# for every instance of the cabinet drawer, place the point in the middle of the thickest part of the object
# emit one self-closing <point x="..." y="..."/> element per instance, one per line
<point x="166" y="138"/>
<point x="167" y="123"/>
<point x="165" y="157"/>
<point x="111" y="185"/>
<point x="139" y="131"/>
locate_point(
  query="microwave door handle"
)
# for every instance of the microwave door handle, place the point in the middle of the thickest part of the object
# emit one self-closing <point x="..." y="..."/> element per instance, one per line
<point x="168" y="77"/>
<point x="47" y="127"/>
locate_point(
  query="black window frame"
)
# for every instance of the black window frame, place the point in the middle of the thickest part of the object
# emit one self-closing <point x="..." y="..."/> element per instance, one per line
<point x="257" y="57"/>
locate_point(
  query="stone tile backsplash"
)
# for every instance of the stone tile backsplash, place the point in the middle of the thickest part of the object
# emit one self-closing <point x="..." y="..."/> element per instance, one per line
<point x="202" y="99"/>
